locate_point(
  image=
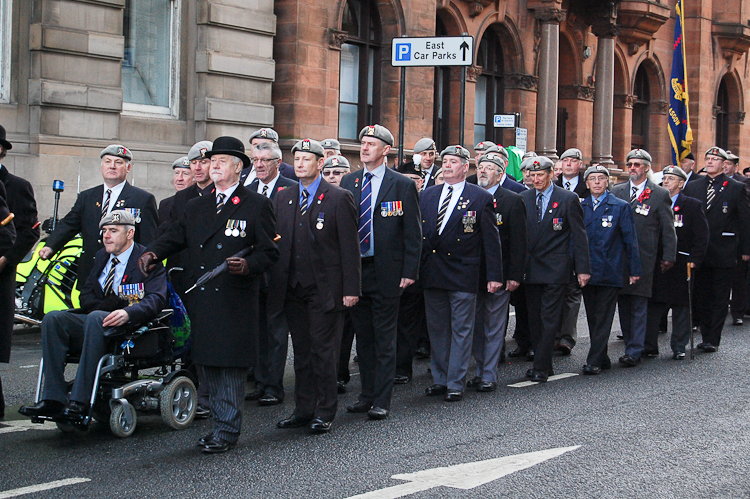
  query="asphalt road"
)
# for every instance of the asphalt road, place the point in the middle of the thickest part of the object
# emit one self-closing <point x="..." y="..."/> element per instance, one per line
<point x="663" y="429"/>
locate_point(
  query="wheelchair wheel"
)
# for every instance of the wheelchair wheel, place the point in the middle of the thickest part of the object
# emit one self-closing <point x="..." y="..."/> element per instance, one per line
<point x="178" y="402"/>
<point x="66" y="427"/>
<point x="119" y="425"/>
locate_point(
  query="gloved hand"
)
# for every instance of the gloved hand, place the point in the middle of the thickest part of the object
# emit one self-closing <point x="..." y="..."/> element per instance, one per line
<point x="147" y="263"/>
<point x="237" y="266"/>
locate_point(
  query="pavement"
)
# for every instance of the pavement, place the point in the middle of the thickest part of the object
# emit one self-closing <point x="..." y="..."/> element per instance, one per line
<point x="664" y="429"/>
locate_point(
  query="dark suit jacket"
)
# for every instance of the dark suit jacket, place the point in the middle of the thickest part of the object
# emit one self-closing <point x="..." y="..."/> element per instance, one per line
<point x="452" y="260"/>
<point x="692" y="244"/>
<point x="581" y="190"/>
<point x="223" y="312"/>
<point x="692" y="177"/>
<point x="281" y="184"/>
<point x="743" y="180"/>
<point x="554" y="255"/>
<point x="165" y="207"/>
<point x="154" y="287"/>
<point x="84" y="218"/>
<point x="21" y="202"/>
<point x="613" y="250"/>
<point x="510" y="217"/>
<point x="7" y="282"/>
<point x="728" y="220"/>
<point x="398" y="240"/>
<point x="335" y="246"/>
<point x="511" y="185"/>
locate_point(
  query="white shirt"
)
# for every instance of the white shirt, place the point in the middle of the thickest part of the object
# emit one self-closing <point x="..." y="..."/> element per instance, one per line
<point x="116" y="191"/>
<point x="573" y="183"/>
<point x="375" y="182"/>
<point x="227" y="194"/>
<point x="122" y="260"/>
<point x="492" y="190"/>
<point x="427" y="176"/>
<point x="457" y="190"/>
<point x="270" y="185"/>
<point x="639" y="189"/>
<point x="250" y="177"/>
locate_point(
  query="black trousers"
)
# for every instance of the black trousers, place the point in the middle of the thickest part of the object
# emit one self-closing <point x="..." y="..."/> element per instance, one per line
<point x="316" y="337"/>
<point x="600" y="302"/>
<point x="226" y="386"/>
<point x="375" y="319"/>
<point x="545" y="302"/>
<point x="738" y="304"/>
<point x="345" y="353"/>
<point x="711" y="301"/>
<point x="412" y="325"/>
<point x="521" y="333"/>
<point x="680" y="326"/>
<point x="273" y="339"/>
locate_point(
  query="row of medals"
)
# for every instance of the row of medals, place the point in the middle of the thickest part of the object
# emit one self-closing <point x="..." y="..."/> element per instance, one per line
<point x="236" y="228"/>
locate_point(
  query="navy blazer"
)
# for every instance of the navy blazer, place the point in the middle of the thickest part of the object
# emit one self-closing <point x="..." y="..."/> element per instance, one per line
<point x="554" y="255"/>
<point x="452" y="260"/>
<point x="512" y="185"/>
<point x="510" y="215"/>
<point x="609" y="246"/>
<point x="154" y="287"/>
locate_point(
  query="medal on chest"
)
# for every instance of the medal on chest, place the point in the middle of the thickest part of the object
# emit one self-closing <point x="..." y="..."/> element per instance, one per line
<point x="133" y="293"/>
<point x="469" y="220"/>
<point x="678" y="221"/>
<point x="557" y="224"/>
<point x="607" y="221"/>
<point x="643" y="209"/>
<point x="499" y="218"/>
<point x="320" y="220"/>
<point x="725" y="208"/>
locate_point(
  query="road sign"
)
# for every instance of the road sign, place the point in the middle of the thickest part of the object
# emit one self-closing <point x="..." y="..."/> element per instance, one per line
<point x="433" y="51"/>
<point x="522" y="135"/>
<point x="505" y="121"/>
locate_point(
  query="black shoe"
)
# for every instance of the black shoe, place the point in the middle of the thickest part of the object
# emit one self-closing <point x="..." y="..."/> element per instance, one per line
<point x="538" y="376"/>
<point x="628" y="361"/>
<point x="436" y="390"/>
<point x="487" y="386"/>
<point x="607" y="364"/>
<point x="563" y="348"/>
<point x="678" y="356"/>
<point x="292" y="421"/>
<point x="269" y="399"/>
<point x="255" y="394"/>
<point x="46" y="408"/>
<point x="202" y="412"/>
<point x="378" y="413"/>
<point x="400" y="379"/>
<point x="589" y="369"/>
<point x="530" y="356"/>
<point x="422" y="353"/>
<point x="216" y="445"/>
<point x="359" y="407"/>
<point x="341" y="386"/>
<point x="518" y="352"/>
<point x="475" y="381"/>
<point x="620" y="337"/>
<point x="453" y="396"/>
<point x="737" y="322"/>
<point x="317" y="425"/>
<point x="709" y="347"/>
<point x="205" y="439"/>
<point x="650" y="354"/>
<point x="74" y="412"/>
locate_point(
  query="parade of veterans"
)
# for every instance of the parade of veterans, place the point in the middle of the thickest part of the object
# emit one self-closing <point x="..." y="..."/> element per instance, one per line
<point x="374" y="249"/>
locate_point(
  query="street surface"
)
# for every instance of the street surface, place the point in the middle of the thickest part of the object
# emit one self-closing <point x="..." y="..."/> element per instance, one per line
<point x="664" y="429"/>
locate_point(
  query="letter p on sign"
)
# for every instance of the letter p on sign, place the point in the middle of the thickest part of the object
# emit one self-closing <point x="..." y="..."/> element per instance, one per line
<point x="403" y="51"/>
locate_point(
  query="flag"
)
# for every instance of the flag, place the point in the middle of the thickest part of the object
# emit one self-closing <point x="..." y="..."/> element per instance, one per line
<point x="680" y="133"/>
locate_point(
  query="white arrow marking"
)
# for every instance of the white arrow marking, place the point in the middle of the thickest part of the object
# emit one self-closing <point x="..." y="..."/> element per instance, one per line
<point x="523" y="384"/>
<point x="42" y="486"/>
<point x="463" y="476"/>
<point x="23" y="425"/>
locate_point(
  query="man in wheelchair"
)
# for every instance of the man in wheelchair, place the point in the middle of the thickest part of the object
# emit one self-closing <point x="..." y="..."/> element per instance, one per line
<point x="102" y="307"/>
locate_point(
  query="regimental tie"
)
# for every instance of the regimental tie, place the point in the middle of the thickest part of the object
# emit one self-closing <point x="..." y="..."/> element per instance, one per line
<point x="110" y="277"/>
<point x="596" y="203"/>
<point x="265" y="190"/>
<point x="444" y="208"/>
<point x="365" y="214"/>
<point x="305" y="202"/>
<point x="105" y="206"/>
<point x="632" y="196"/>
<point x="220" y="202"/>
<point x="710" y="193"/>
<point x="567" y="185"/>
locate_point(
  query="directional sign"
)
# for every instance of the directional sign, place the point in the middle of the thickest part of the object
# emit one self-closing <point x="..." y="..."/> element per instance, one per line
<point x="522" y="136"/>
<point x="433" y="51"/>
<point x="463" y="476"/>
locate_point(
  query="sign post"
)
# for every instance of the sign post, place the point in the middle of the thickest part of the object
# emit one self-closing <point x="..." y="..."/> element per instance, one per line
<point x="427" y="52"/>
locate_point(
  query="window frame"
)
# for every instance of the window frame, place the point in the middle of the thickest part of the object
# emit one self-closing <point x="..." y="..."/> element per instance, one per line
<point x="493" y="73"/>
<point x="641" y="109"/>
<point x="173" y="110"/>
<point x="6" y="38"/>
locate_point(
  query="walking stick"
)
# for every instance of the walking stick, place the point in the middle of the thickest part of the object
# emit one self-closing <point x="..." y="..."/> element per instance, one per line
<point x="690" y="310"/>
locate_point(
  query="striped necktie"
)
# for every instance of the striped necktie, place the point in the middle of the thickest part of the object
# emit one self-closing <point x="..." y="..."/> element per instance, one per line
<point x="265" y="191"/>
<point x="110" y="277"/>
<point x="710" y="193"/>
<point x="304" y="203"/>
<point x="365" y="214"/>
<point x="539" y="206"/>
<point x="105" y="206"/>
<point x="567" y="185"/>
<point x="632" y="196"/>
<point x="444" y="208"/>
<point x="596" y="203"/>
<point x="220" y="202"/>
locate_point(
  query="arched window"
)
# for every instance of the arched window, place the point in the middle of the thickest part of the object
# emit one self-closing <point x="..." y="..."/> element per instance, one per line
<point x="641" y="113"/>
<point x="442" y="98"/>
<point x="490" y="89"/>
<point x="359" y="77"/>
<point x="722" y="116"/>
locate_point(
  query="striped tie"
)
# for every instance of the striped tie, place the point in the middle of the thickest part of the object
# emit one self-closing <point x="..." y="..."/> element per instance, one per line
<point x="444" y="208"/>
<point x="110" y="277"/>
<point x="632" y="196"/>
<point x="365" y="214"/>
<point x="596" y="203"/>
<point x="303" y="205"/>
<point x="220" y="202"/>
<point x="265" y="191"/>
<point x="710" y="193"/>
<point x="105" y="206"/>
<point x="567" y="185"/>
<point x="539" y="206"/>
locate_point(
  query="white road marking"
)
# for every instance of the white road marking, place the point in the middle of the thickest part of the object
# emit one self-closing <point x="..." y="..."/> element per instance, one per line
<point x="29" y="367"/>
<point x="463" y="476"/>
<point x="42" y="486"/>
<point x="524" y="384"/>
<point x="23" y="425"/>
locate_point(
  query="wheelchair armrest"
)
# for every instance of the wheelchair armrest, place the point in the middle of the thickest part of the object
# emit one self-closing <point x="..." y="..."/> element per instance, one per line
<point x="164" y="314"/>
<point x="114" y="332"/>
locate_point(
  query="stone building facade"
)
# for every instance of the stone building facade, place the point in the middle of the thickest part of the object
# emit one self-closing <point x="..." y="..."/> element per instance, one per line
<point x="158" y="75"/>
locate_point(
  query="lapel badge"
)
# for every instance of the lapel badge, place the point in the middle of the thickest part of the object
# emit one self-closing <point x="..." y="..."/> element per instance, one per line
<point x="724" y="208"/>
<point x="120" y="203"/>
<point x="499" y="217"/>
<point x="98" y="204"/>
<point x="236" y="200"/>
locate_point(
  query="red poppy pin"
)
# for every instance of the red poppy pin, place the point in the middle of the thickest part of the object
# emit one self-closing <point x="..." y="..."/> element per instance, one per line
<point x="320" y="198"/>
<point x="236" y="200"/>
<point x="280" y="189"/>
<point x="676" y="208"/>
<point x="725" y="183"/>
<point x="555" y="204"/>
<point x="124" y="277"/>
<point x="644" y="195"/>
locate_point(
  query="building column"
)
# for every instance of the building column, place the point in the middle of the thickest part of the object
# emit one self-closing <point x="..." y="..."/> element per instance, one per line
<point x="605" y="30"/>
<point x="546" y="104"/>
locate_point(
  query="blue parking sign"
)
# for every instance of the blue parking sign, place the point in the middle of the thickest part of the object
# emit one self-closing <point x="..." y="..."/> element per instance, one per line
<point x="403" y="51"/>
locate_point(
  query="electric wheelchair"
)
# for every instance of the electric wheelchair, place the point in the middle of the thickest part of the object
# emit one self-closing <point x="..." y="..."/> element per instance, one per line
<point x="143" y="374"/>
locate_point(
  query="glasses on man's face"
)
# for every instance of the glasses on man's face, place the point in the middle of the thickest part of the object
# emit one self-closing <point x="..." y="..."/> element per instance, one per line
<point x="268" y="161"/>
<point x="333" y="173"/>
<point x="634" y="165"/>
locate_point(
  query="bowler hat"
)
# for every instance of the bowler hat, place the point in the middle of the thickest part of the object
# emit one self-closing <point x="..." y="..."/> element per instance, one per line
<point x="230" y="146"/>
<point x="6" y="145"/>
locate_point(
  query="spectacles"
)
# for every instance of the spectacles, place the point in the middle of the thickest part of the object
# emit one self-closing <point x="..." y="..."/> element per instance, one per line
<point x="333" y="173"/>
<point x="633" y="165"/>
<point x="265" y="161"/>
